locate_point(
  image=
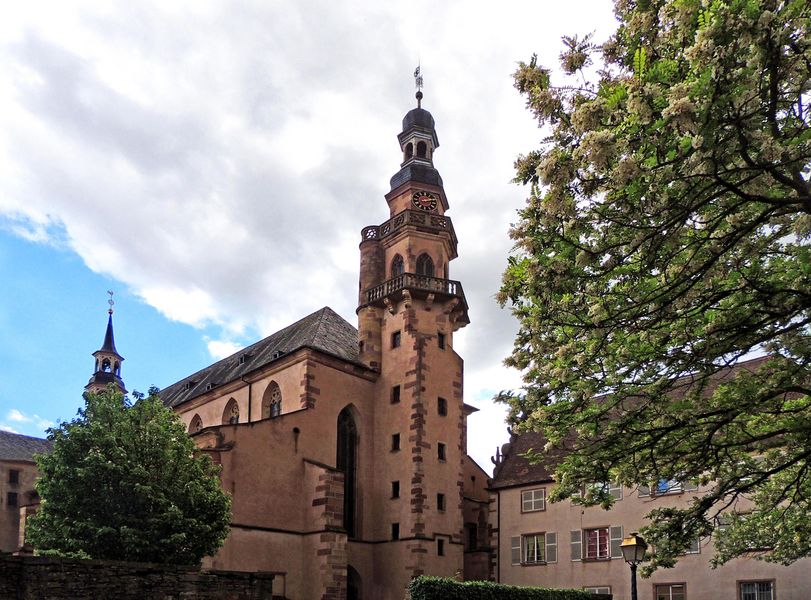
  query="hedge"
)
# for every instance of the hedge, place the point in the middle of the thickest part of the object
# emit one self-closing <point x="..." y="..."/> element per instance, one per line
<point x="442" y="588"/>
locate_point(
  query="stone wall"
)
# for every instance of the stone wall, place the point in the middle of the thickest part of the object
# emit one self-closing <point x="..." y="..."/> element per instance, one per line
<point x="39" y="578"/>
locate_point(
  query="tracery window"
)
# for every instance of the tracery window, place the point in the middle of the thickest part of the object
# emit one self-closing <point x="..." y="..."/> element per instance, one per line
<point x="397" y="266"/>
<point x="272" y="401"/>
<point x="230" y="415"/>
<point x="425" y="266"/>
<point x="196" y="424"/>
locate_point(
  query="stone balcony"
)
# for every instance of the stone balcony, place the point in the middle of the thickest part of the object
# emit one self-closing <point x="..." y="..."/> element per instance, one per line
<point x="425" y="221"/>
<point x="420" y="286"/>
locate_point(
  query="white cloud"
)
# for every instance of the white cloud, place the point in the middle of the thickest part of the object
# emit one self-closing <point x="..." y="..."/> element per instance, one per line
<point x="222" y="348"/>
<point x="8" y="428"/>
<point x="221" y="159"/>
<point x="15" y="416"/>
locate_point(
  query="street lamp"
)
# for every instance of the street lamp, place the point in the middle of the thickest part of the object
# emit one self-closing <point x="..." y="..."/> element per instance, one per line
<point x="633" y="551"/>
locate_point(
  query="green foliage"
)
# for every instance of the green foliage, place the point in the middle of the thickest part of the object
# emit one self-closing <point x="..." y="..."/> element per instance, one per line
<point x="666" y="236"/>
<point x="440" y="588"/>
<point x="124" y="483"/>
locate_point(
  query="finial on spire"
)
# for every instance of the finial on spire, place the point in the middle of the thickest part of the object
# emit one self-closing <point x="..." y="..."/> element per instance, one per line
<point x="111" y="302"/>
<point x="418" y="83"/>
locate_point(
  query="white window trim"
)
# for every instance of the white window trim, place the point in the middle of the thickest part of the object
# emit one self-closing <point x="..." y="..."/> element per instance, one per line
<point x="533" y="500"/>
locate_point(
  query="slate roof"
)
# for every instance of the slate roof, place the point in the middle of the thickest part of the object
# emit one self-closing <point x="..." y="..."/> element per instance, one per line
<point x="324" y="330"/>
<point x="517" y="470"/>
<point x="14" y="446"/>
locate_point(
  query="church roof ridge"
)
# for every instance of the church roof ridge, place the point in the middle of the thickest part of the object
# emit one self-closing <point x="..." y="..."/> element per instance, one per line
<point x="323" y="330"/>
<point x="15" y="446"/>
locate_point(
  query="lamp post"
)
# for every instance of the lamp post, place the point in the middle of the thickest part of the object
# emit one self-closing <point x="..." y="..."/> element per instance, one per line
<point x="633" y="551"/>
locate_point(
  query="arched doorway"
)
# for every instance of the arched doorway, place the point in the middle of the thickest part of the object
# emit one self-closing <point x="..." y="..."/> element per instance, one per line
<point x="347" y="461"/>
<point x="352" y="584"/>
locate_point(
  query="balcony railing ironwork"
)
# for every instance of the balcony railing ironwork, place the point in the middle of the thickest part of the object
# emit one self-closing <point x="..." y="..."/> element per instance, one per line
<point x="418" y="218"/>
<point x="412" y="281"/>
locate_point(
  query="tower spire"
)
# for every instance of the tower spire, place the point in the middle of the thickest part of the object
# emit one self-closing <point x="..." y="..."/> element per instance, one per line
<point x="108" y="360"/>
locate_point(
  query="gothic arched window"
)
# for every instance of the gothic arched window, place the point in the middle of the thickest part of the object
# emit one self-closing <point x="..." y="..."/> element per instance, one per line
<point x="272" y="401"/>
<point x="397" y="266"/>
<point x="346" y="461"/>
<point x="196" y="424"/>
<point x="230" y="416"/>
<point x="425" y="266"/>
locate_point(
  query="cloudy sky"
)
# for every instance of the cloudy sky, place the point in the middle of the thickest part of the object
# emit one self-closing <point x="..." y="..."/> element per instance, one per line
<point x="213" y="163"/>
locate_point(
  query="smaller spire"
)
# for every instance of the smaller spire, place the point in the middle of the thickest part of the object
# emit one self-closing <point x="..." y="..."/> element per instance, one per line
<point x="108" y="360"/>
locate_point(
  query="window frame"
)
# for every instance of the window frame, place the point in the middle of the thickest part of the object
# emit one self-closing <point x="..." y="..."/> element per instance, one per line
<point x="440" y="547"/>
<point x="441" y="406"/>
<point x="606" y="551"/>
<point x="670" y="585"/>
<point x="440" y="340"/>
<point x="395" y="394"/>
<point x="395" y="489"/>
<point x="396" y="339"/>
<point x="441" y="452"/>
<point x="441" y="502"/>
<point x="741" y="582"/>
<point x="12" y="496"/>
<point x="395" y="531"/>
<point x="533" y="500"/>
<point x="14" y="476"/>
<point x="595" y="589"/>
<point x="395" y="442"/>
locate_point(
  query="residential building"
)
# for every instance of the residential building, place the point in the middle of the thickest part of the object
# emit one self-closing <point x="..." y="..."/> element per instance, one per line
<point x="566" y="545"/>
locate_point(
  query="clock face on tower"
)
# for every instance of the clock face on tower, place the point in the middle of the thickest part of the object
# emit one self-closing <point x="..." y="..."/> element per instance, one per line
<point x="424" y="201"/>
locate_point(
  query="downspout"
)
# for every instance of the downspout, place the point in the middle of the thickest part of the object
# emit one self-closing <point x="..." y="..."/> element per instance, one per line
<point x="250" y="402"/>
<point x="498" y="539"/>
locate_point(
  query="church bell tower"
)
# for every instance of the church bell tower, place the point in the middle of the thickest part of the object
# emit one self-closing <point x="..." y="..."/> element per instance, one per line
<point x="408" y="311"/>
<point x="108" y="361"/>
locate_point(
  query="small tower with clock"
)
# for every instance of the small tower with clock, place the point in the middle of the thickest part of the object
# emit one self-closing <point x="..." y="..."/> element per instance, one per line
<point x="408" y="311"/>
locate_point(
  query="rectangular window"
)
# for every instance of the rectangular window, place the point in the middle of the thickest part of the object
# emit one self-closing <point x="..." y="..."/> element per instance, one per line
<point x="695" y="547"/>
<point x="395" y="394"/>
<point x="395" y="489"/>
<point x="13" y="476"/>
<point x="440" y="547"/>
<point x="440" y="502"/>
<point x="596" y="541"/>
<point x="11" y="499"/>
<point x="515" y="550"/>
<point x="533" y="500"/>
<point x="442" y="407"/>
<point x="440" y="451"/>
<point x="597" y="589"/>
<point x="395" y="442"/>
<point x="440" y="340"/>
<point x="757" y="590"/>
<point x="576" y="544"/>
<point x="669" y="591"/>
<point x="395" y="531"/>
<point x="534" y="548"/>
<point x="395" y="339"/>
<point x="472" y="536"/>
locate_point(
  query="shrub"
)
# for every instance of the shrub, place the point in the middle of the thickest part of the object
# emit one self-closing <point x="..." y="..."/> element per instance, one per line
<point x="442" y="588"/>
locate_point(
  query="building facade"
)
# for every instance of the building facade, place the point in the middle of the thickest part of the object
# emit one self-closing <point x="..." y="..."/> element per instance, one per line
<point x="18" y="473"/>
<point x="566" y="545"/>
<point x="344" y="449"/>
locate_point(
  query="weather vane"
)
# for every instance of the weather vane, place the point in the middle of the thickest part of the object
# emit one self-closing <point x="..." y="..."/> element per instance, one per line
<point x="418" y="83"/>
<point x="111" y="302"/>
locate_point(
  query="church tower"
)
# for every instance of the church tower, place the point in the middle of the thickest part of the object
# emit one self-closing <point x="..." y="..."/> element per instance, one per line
<point x="108" y="360"/>
<point x="408" y="310"/>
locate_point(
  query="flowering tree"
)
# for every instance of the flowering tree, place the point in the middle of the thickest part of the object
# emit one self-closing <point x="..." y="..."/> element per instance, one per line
<point x="665" y="237"/>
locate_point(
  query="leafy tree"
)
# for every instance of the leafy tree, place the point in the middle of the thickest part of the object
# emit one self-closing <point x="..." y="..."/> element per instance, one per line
<point x="123" y="482"/>
<point x="666" y="237"/>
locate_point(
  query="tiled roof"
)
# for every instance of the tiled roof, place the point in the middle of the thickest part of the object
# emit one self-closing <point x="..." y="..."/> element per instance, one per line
<point x="514" y="469"/>
<point x="14" y="446"/>
<point x="323" y="330"/>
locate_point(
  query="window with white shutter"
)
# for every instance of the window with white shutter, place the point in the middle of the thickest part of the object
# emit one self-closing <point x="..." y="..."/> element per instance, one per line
<point x="515" y="550"/>
<point x="616" y="541"/>
<point x="552" y="547"/>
